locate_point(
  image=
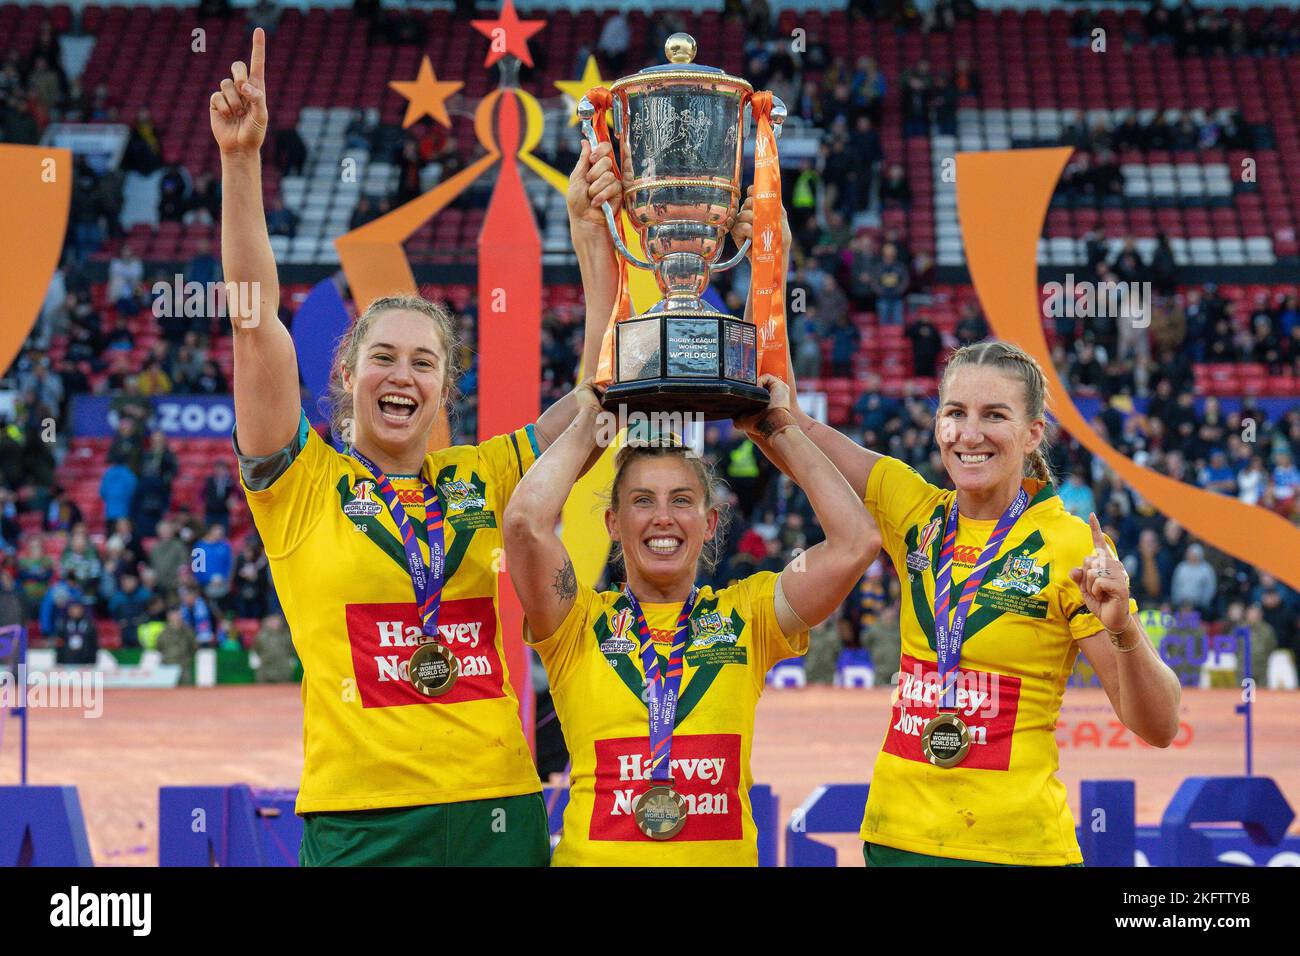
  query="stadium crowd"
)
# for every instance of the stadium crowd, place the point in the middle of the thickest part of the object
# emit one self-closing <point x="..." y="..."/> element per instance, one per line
<point x="169" y="576"/>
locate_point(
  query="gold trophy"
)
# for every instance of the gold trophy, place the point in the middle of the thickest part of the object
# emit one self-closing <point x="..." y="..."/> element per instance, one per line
<point x="680" y="131"/>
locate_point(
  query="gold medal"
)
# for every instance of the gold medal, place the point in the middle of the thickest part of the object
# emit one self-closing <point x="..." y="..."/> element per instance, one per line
<point x="433" y="669"/>
<point x="660" y="812"/>
<point x="945" y="740"/>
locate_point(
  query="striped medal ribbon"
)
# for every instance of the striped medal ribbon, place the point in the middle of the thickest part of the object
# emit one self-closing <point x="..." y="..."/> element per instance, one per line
<point x="660" y="812"/>
<point x="945" y="739"/>
<point x="432" y="668"/>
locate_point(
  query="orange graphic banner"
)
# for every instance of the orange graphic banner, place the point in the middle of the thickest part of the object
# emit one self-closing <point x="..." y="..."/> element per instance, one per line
<point x="1002" y="200"/>
<point x="35" y="194"/>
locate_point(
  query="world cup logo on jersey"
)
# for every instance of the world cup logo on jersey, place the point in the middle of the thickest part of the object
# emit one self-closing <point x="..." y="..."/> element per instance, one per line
<point x="919" y="560"/>
<point x="363" y="503"/>
<point x="618" y="642"/>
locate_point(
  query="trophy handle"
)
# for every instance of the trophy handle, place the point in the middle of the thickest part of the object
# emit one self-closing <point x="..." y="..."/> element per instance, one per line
<point x="733" y="261"/>
<point x="587" y="113"/>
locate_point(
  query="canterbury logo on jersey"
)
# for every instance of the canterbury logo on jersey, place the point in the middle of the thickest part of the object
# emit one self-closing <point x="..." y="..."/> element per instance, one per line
<point x="383" y="637"/>
<point x="706" y="772"/>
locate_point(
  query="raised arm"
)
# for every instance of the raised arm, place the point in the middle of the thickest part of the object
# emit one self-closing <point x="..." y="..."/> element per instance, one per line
<point x="591" y="184"/>
<point x="536" y="558"/>
<point x="853" y="461"/>
<point x="267" y="406"/>
<point x="815" y="583"/>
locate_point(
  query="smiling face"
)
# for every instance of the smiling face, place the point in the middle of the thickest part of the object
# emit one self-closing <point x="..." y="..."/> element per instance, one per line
<point x="984" y="431"/>
<point x="398" y="384"/>
<point x="662" y="519"/>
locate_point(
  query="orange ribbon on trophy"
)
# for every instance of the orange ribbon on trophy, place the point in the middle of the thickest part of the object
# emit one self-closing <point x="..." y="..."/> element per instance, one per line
<point x="602" y="100"/>
<point x="767" y="254"/>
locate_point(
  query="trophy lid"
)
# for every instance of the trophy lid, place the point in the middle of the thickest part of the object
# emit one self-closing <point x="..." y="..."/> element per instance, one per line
<point x="680" y="48"/>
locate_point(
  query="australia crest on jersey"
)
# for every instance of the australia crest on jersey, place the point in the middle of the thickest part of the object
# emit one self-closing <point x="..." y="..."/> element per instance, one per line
<point x="618" y="641"/>
<point x="1022" y="573"/>
<point x="711" y="628"/>
<point x="363" y="503"/>
<point x="919" y="560"/>
<point x="462" y="496"/>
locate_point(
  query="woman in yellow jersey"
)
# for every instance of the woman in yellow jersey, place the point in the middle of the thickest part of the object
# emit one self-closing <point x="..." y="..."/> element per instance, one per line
<point x="656" y="684"/>
<point x="386" y="558"/>
<point x="1002" y="588"/>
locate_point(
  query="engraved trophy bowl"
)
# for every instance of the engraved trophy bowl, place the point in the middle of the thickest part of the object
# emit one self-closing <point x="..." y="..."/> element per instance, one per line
<point x="680" y="130"/>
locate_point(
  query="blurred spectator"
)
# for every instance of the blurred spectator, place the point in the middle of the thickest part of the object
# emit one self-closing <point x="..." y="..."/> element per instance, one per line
<point x="205" y="201"/>
<point x="13" y="604"/>
<point x="290" y="152"/>
<point x="1077" y="497"/>
<point x="117" y="489"/>
<point x="168" y="556"/>
<point x="143" y="148"/>
<point x="158" y="467"/>
<point x="35" y="572"/>
<point x="197" y="616"/>
<point x="281" y="221"/>
<point x="125" y="274"/>
<point x="890" y="282"/>
<point x="204" y="267"/>
<point x="845" y="338"/>
<point x="615" y="37"/>
<point x="78" y="638"/>
<point x="217" y="490"/>
<point x="213" y="563"/>
<point x="129" y="607"/>
<point x="1194" y="583"/>
<point x="277" y="662"/>
<point x="178" y="643"/>
<point x="895" y="190"/>
<point x="126" y="447"/>
<point x="80" y="565"/>
<point x="252" y="581"/>
<point x="926" y="346"/>
<point x="173" y="192"/>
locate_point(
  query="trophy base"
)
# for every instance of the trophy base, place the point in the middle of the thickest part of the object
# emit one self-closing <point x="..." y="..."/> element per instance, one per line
<point x="686" y="362"/>
<point x="715" y="399"/>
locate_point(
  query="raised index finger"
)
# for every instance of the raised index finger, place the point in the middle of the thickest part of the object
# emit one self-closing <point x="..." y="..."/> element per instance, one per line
<point x="1098" y="538"/>
<point x="257" y="63"/>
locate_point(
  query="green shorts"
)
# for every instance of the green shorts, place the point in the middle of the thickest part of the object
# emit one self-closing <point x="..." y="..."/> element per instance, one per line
<point x="502" y="831"/>
<point x="877" y="855"/>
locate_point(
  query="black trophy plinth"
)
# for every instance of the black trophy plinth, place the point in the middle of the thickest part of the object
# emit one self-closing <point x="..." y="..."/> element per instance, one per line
<point x="689" y="362"/>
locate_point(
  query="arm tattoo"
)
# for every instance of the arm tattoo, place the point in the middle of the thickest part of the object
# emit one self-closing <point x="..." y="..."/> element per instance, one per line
<point x="566" y="582"/>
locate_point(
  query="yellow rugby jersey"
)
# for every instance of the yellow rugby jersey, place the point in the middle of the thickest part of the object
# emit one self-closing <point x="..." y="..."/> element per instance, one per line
<point x="597" y="683"/>
<point x="370" y="739"/>
<point x="1003" y="803"/>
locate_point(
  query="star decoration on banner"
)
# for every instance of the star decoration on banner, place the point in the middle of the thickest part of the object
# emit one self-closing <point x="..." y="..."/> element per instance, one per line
<point x="576" y="89"/>
<point x="426" y="95"/>
<point x="508" y="34"/>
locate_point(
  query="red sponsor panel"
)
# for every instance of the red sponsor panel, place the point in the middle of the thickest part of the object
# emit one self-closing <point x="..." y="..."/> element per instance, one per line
<point x="987" y="704"/>
<point x="705" y="770"/>
<point x="384" y="636"/>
